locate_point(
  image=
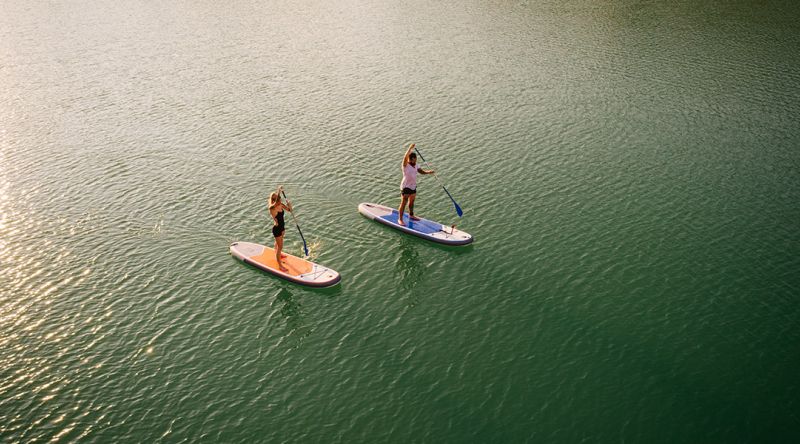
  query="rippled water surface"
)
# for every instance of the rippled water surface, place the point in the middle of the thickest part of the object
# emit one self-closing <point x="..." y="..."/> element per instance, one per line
<point x="630" y="172"/>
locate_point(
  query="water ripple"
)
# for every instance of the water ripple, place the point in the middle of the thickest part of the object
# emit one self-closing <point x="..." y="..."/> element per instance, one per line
<point x="628" y="172"/>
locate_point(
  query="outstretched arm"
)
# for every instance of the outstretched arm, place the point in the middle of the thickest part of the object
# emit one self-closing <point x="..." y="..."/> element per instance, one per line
<point x="408" y="152"/>
<point x="424" y="171"/>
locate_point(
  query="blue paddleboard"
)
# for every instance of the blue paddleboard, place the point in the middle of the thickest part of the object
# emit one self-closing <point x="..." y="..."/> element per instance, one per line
<point x="424" y="228"/>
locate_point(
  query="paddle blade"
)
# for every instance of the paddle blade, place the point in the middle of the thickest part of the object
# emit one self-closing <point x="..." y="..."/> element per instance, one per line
<point x="458" y="209"/>
<point x="305" y="247"/>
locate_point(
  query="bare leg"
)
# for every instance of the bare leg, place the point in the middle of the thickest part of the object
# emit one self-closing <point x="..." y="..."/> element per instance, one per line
<point x="278" y="248"/>
<point x="400" y="211"/>
<point x="411" y="200"/>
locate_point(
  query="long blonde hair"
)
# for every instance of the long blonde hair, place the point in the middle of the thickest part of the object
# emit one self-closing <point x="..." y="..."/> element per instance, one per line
<point x="274" y="198"/>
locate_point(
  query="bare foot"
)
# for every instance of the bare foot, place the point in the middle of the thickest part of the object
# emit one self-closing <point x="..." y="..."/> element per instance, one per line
<point x="400" y="221"/>
<point x="284" y="269"/>
<point x="414" y="217"/>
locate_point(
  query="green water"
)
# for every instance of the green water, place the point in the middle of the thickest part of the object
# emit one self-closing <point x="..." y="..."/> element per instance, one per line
<point x="630" y="172"/>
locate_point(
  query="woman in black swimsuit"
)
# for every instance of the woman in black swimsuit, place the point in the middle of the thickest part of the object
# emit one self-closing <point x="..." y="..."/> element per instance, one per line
<point x="276" y="208"/>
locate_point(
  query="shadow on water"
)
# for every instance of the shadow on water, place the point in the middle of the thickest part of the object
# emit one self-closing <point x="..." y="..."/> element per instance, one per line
<point x="330" y="292"/>
<point x="408" y="266"/>
<point x="290" y="308"/>
<point x="296" y="330"/>
<point x="454" y="249"/>
<point x="290" y="288"/>
<point x="287" y="305"/>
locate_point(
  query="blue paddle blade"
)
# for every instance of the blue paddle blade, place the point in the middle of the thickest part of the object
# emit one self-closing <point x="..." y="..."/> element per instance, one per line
<point x="458" y="209"/>
<point x="305" y="247"/>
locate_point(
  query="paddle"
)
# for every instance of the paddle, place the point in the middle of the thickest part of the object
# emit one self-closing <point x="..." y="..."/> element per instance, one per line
<point x="458" y="209"/>
<point x="305" y="248"/>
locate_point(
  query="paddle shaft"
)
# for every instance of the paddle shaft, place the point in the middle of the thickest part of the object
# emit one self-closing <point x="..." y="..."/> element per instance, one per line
<point x="458" y="209"/>
<point x="305" y="248"/>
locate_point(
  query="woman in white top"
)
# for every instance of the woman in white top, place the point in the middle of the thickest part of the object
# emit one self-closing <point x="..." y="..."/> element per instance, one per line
<point x="408" y="187"/>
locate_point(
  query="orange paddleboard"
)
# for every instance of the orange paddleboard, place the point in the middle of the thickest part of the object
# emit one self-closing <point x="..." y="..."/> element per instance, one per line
<point x="299" y="270"/>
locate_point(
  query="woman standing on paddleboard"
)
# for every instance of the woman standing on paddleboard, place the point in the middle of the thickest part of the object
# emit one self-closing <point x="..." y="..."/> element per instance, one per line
<point x="408" y="186"/>
<point x="276" y="208"/>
